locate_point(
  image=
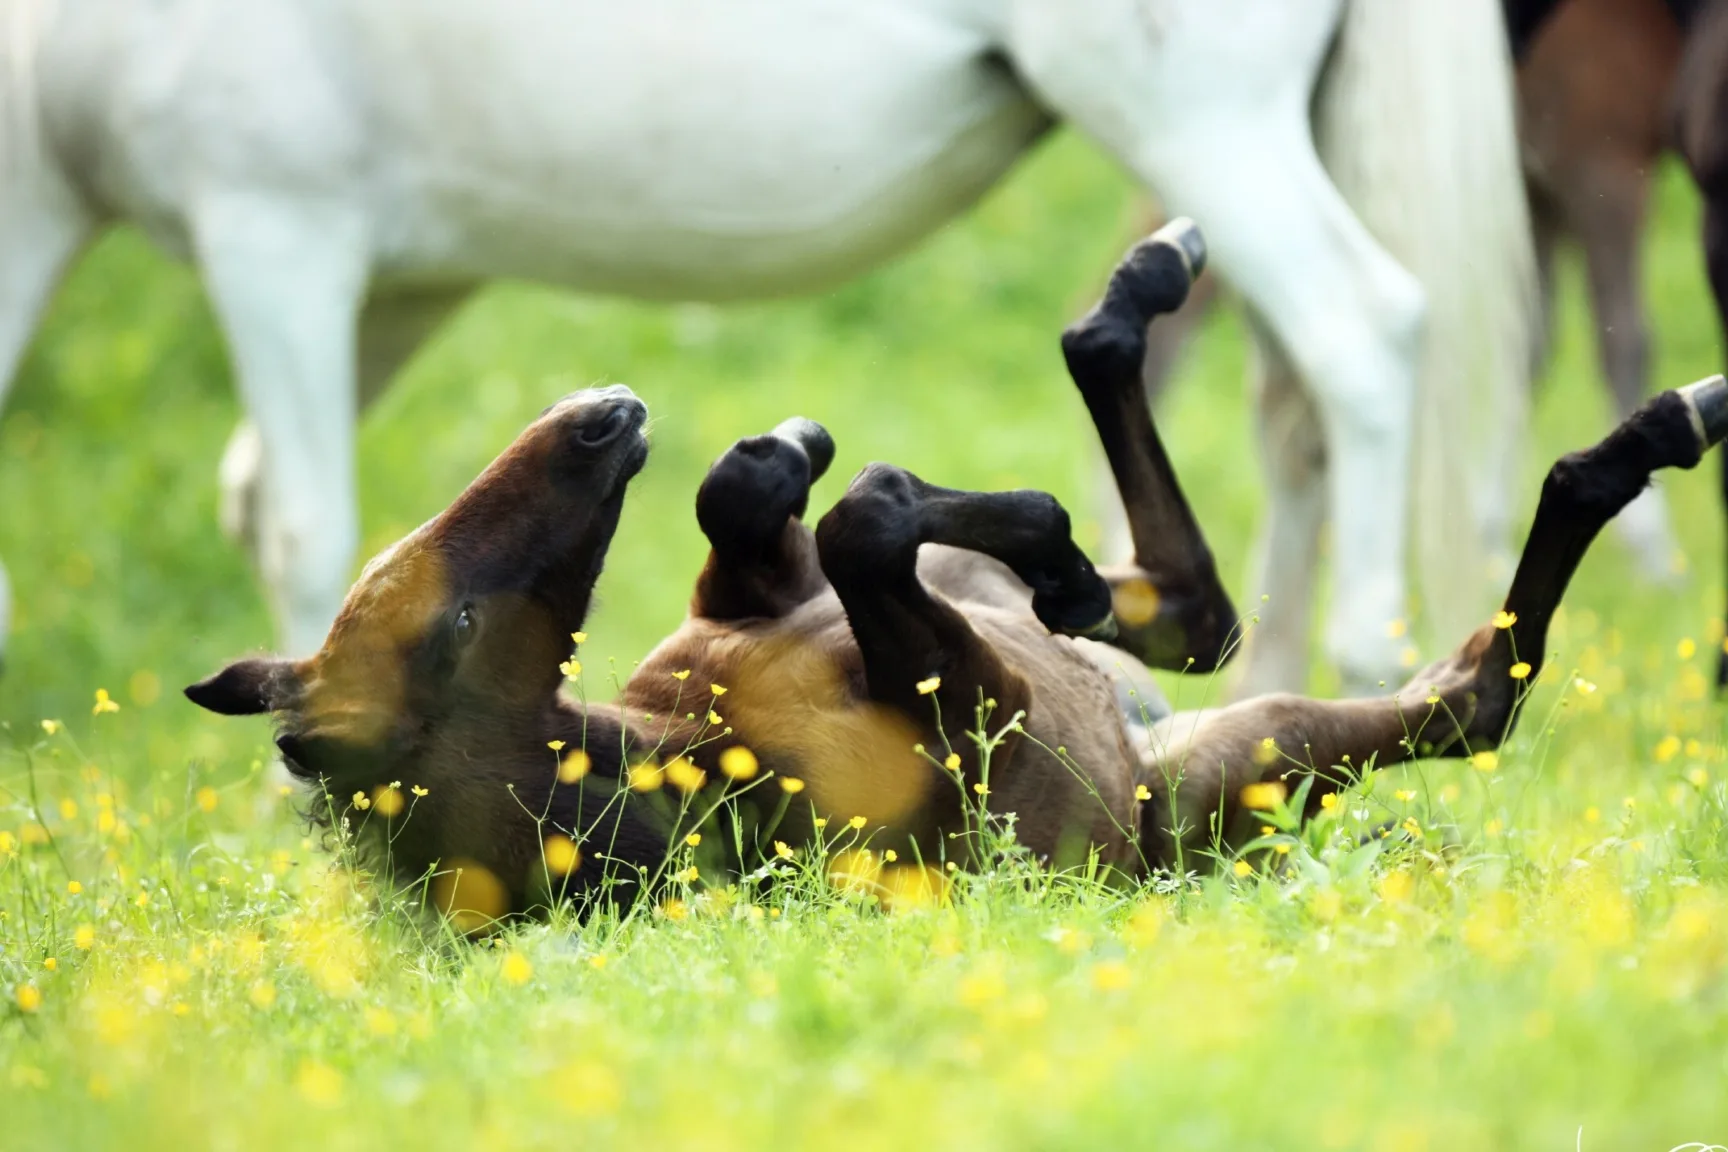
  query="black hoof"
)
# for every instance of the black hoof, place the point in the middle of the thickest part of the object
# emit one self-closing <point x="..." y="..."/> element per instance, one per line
<point x="1708" y="402"/>
<point x="1184" y="235"/>
<point x="810" y="436"/>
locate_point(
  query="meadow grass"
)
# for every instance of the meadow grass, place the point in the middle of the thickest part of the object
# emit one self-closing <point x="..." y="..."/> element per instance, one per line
<point x="1545" y="964"/>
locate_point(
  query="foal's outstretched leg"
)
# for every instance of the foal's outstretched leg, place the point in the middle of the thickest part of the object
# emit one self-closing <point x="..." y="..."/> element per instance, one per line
<point x="869" y="543"/>
<point x="1205" y="758"/>
<point x="750" y="506"/>
<point x="1170" y="604"/>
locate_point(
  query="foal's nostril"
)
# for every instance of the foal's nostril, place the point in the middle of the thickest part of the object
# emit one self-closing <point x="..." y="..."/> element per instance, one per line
<point x="607" y="427"/>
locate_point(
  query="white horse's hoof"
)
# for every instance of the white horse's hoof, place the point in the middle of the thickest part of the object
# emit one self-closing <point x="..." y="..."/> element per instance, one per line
<point x="238" y="474"/>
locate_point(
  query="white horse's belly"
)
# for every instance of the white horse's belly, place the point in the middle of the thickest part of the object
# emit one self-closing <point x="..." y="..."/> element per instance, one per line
<point x="698" y="148"/>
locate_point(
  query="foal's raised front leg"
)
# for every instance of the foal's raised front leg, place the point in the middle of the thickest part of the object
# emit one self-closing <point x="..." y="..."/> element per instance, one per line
<point x="1205" y="758"/>
<point x="751" y="505"/>
<point x="1171" y="608"/>
<point x="907" y="636"/>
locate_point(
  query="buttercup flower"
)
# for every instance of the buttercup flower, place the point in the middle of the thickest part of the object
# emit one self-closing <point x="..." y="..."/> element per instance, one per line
<point x="925" y="687"/>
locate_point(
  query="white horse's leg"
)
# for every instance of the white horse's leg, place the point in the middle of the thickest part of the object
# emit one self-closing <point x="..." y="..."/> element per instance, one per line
<point x="41" y="227"/>
<point x="392" y="328"/>
<point x="286" y="279"/>
<point x="1208" y="101"/>
<point x="1349" y="318"/>
<point x="1286" y="555"/>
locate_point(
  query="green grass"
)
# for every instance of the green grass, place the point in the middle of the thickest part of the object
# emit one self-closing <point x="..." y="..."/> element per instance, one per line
<point x="1563" y="966"/>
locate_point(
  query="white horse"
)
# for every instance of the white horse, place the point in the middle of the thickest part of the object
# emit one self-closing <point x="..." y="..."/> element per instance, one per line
<point x="343" y="172"/>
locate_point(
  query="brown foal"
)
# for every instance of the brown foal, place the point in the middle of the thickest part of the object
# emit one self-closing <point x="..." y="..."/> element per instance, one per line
<point x="831" y="674"/>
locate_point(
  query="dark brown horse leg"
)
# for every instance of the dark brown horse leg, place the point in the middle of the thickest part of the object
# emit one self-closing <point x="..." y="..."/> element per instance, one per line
<point x="1207" y="757"/>
<point x="750" y="506"/>
<point x="1173" y="610"/>
<point x="907" y="636"/>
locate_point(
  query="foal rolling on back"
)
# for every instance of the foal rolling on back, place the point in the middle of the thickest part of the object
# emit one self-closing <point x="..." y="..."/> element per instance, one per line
<point x="852" y="659"/>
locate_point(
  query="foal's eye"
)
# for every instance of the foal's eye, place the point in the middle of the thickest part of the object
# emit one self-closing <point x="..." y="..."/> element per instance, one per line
<point x="463" y="628"/>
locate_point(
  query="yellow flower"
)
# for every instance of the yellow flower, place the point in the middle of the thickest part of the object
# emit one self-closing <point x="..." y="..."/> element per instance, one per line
<point x="50" y="963"/>
<point x="142" y="900"/>
<point x="515" y="969"/>
<point x="1396" y="887"/>
<point x="1686" y="649"/>
<point x="262" y="994"/>
<point x="714" y="718"/>
<point x="738" y="763"/>
<point x="52" y="726"/>
<point x="890" y="855"/>
<point x="821" y="822"/>
<point x="981" y="788"/>
<point x="419" y="791"/>
<point x="684" y="775"/>
<point x="782" y="850"/>
<point x="925" y="687"/>
<point x="8" y="843"/>
<point x="28" y="996"/>
<point x="1263" y="795"/>
<point x="1584" y="686"/>
<point x="1405" y="794"/>
<point x="597" y="961"/>
<point x="791" y="785"/>
<point x="1242" y="868"/>
<point x="1667" y="748"/>
<point x="1111" y="976"/>
<point x="84" y="937"/>
<point x="684" y="675"/>
<point x="579" y="637"/>
<point x="857" y="822"/>
<point x="362" y="801"/>
<point x="1432" y="699"/>
<point x="74" y="887"/>
<point x="571" y="669"/>
<point x="555" y="745"/>
<point x="1283" y="849"/>
<point x="1141" y="792"/>
<point x="674" y="910"/>
<point x="208" y="799"/>
<point x="1504" y="619"/>
<point x="562" y="855"/>
<point x="716" y="689"/>
<point x="1519" y="670"/>
<point x="689" y="875"/>
<point x="1485" y="761"/>
<point x="646" y="776"/>
<point x="952" y="763"/>
<point x="319" y="1083"/>
<point x="1396" y="628"/>
<point x="104" y="703"/>
<point x="573" y="767"/>
<point x="1697" y="777"/>
<point x="693" y="839"/>
<point x="1329" y="801"/>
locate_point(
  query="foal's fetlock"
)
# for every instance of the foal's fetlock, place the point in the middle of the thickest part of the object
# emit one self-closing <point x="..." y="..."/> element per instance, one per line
<point x="1153" y="279"/>
<point x="749" y="494"/>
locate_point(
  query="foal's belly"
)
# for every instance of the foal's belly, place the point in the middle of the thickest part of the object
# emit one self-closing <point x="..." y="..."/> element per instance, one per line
<point x="677" y="148"/>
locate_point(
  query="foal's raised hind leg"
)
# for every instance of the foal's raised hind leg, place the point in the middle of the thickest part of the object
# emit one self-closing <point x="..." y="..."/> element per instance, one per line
<point x="1170" y="606"/>
<point x="1206" y="758"/>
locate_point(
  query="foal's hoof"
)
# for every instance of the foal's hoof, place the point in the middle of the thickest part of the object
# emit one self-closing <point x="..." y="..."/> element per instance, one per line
<point x="812" y="438"/>
<point x="1183" y="235"/>
<point x="1707" y="400"/>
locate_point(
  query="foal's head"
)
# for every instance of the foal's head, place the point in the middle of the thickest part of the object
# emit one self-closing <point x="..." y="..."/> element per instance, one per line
<point x="446" y="652"/>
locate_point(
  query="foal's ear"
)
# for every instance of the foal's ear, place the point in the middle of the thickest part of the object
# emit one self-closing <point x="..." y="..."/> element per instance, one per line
<point x="247" y="687"/>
